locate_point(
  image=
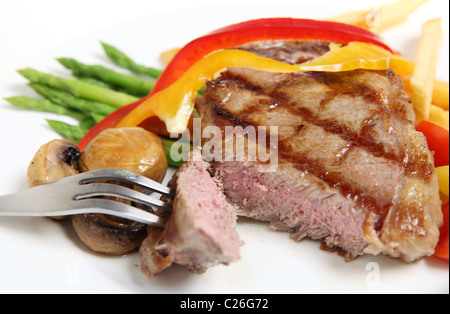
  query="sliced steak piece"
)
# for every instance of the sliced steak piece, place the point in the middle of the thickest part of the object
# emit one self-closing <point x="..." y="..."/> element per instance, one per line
<point x="201" y="231"/>
<point x="352" y="170"/>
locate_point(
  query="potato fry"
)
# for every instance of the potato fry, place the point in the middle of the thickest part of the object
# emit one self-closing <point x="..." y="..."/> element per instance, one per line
<point x="397" y="12"/>
<point x="357" y="18"/>
<point x="441" y="94"/>
<point x="407" y="81"/>
<point x="382" y="17"/>
<point x="168" y="55"/>
<point x="423" y="77"/>
<point x="439" y="117"/>
<point x="443" y="179"/>
<point x="443" y="176"/>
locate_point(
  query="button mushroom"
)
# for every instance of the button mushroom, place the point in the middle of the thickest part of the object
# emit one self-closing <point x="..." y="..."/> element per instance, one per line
<point x="132" y="149"/>
<point x="53" y="161"/>
<point x="107" y="234"/>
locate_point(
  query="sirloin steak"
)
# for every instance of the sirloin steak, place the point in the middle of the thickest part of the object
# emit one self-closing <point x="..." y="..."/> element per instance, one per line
<point x="352" y="170"/>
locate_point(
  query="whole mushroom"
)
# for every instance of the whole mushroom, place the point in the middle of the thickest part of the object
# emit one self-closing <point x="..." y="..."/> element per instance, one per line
<point x="108" y="234"/>
<point x="132" y="149"/>
<point x="54" y="160"/>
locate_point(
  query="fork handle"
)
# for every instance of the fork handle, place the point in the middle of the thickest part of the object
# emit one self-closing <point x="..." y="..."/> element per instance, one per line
<point x="30" y="202"/>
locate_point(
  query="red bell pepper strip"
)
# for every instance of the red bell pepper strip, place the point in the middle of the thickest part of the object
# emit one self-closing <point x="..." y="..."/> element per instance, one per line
<point x="290" y="22"/>
<point x="108" y="122"/>
<point x="239" y="34"/>
<point x="260" y="30"/>
<point x="441" y="250"/>
<point x="437" y="139"/>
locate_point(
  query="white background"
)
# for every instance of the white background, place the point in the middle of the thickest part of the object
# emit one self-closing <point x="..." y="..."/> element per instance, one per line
<point x="29" y="28"/>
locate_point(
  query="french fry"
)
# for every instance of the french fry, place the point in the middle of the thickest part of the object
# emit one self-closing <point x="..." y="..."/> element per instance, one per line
<point x="442" y="173"/>
<point x="441" y="94"/>
<point x="439" y="117"/>
<point x="168" y="55"/>
<point x="382" y="17"/>
<point x="397" y="12"/>
<point x="407" y="81"/>
<point x="423" y="77"/>
<point x="357" y="18"/>
<point x="443" y="176"/>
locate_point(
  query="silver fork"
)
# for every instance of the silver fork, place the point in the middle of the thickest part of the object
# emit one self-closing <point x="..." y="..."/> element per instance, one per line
<point x="76" y="195"/>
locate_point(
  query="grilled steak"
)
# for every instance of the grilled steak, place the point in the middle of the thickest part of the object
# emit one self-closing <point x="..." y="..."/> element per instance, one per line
<point x="352" y="171"/>
<point x="201" y="229"/>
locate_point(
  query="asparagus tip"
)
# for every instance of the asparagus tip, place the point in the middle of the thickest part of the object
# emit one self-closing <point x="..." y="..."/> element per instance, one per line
<point x="9" y="99"/>
<point x="22" y="71"/>
<point x="14" y="99"/>
<point x="27" y="72"/>
<point x="106" y="46"/>
<point x="63" y="60"/>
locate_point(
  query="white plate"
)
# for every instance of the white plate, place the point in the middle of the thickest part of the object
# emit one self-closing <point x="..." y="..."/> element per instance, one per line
<point x="42" y="256"/>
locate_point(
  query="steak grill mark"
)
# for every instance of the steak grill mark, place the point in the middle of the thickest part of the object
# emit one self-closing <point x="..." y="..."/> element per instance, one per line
<point x="415" y="167"/>
<point x="364" y="139"/>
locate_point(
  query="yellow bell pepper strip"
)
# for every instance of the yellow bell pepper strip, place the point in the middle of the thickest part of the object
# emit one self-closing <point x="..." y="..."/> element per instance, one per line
<point x="358" y="55"/>
<point x="174" y="104"/>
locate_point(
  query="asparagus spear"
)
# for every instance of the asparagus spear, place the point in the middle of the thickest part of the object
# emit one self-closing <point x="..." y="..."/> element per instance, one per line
<point x="97" y="117"/>
<point x="87" y="123"/>
<point x="126" y="62"/>
<point x="79" y="88"/>
<point x="94" y="81"/>
<point x="97" y="82"/>
<point x="107" y="75"/>
<point x="66" y="99"/>
<point x="168" y="146"/>
<point x="71" y="132"/>
<point x="44" y="105"/>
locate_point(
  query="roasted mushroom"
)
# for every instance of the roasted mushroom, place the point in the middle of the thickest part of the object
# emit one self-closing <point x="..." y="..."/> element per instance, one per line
<point x="53" y="161"/>
<point x="108" y="234"/>
<point x="132" y="149"/>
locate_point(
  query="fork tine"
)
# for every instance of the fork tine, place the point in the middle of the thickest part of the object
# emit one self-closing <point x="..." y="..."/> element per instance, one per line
<point x="124" y="176"/>
<point x="115" y="208"/>
<point x="108" y="189"/>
